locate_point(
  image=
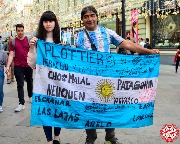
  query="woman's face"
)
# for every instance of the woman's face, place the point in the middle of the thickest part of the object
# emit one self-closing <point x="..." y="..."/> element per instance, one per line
<point x="49" y="25"/>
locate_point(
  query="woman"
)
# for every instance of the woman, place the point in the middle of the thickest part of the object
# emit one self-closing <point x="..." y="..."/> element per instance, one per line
<point x="177" y="58"/>
<point x="3" y="60"/>
<point x="49" y="31"/>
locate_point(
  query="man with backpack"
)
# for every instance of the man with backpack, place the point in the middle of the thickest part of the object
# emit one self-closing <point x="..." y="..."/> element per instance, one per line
<point x="147" y="45"/>
<point x="19" y="48"/>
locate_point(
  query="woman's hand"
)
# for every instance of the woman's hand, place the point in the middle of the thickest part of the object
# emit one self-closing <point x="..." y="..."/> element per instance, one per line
<point x="33" y="42"/>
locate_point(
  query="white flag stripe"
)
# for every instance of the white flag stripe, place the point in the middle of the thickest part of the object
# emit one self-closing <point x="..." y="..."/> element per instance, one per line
<point x="94" y="88"/>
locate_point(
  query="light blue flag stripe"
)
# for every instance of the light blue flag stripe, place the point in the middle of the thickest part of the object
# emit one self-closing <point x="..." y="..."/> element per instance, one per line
<point x="58" y="111"/>
<point x="97" y="63"/>
<point x="53" y="111"/>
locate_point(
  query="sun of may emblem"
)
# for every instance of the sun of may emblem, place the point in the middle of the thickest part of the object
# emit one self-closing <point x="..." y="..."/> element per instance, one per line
<point x="105" y="90"/>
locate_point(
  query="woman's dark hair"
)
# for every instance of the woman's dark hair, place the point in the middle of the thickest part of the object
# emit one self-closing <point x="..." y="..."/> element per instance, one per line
<point x="42" y="33"/>
<point x="88" y="8"/>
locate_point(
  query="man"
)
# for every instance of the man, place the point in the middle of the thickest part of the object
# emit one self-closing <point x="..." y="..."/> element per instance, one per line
<point x="10" y="76"/>
<point x="19" y="52"/>
<point x="147" y="45"/>
<point x="177" y="58"/>
<point x="141" y="42"/>
<point x="101" y="39"/>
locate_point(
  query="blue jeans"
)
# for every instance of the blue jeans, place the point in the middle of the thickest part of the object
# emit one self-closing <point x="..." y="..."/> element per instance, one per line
<point x="1" y="85"/>
<point x="48" y="132"/>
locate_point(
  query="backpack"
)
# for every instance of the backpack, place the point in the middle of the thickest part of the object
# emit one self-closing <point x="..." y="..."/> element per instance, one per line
<point x="147" y="45"/>
<point x="13" y="41"/>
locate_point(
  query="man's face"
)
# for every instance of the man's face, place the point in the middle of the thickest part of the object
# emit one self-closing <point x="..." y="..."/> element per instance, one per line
<point x="90" y="20"/>
<point x="20" y="32"/>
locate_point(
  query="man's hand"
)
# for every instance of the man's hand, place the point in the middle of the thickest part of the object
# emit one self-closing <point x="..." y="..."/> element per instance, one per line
<point x="155" y="51"/>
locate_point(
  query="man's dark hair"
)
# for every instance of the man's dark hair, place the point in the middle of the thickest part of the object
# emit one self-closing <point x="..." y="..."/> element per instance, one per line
<point x="147" y="39"/>
<point x="88" y="8"/>
<point x="147" y="45"/>
<point x="19" y="25"/>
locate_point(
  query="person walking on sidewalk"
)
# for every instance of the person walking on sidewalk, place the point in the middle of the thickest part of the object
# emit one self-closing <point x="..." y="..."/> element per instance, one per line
<point x="100" y="39"/>
<point x="147" y="44"/>
<point x="141" y="42"/>
<point x="10" y="76"/>
<point x="3" y="60"/>
<point x="49" y="31"/>
<point x="177" y="58"/>
<point x="1" y="44"/>
<point x="19" y="52"/>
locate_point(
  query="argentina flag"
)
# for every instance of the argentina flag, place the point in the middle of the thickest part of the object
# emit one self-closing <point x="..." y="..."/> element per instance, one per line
<point x="83" y="89"/>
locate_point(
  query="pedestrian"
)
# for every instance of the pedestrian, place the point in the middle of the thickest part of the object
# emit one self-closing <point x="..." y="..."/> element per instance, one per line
<point x="10" y="76"/>
<point x="64" y="37"/>
<point x="6" y="44"/>
<point x="1" y="44"/>
<point x="177" y="58"/>
<point x="147" y="45"/>
<point x="19" y="52"/>
<point x="3" y="60"/>
<point x="75" y="37"/>
<point x="69" y="33"/>
<point x="141" y="42"/>
<point x="95" y="37"/>
<point x="49" y="31"/>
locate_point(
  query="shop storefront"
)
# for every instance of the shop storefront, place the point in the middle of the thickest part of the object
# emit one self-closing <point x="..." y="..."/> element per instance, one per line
<point x="110" y="23"/>
<point x="166" y="32"/>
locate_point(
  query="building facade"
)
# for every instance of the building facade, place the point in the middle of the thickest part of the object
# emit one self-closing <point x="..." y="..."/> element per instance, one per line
<point x="157" y="20"/>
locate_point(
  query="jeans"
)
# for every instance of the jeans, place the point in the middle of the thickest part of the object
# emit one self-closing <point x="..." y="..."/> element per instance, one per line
<point x="1" y="85"/>
<point x="91" y="134"/>
<point x="48" y="132"/>
<point x="20" y="73"/>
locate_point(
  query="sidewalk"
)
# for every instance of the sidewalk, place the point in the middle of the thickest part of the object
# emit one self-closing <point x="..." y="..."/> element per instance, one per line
<point x="15" y="129"/>
<point x="162" y="52"/>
